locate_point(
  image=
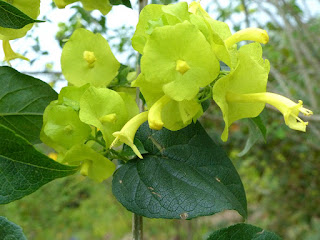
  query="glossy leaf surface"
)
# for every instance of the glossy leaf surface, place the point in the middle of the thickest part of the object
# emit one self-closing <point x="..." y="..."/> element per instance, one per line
<point x="10" y="231"/>
<point x="23" y="169"/>
<point x="183" y="175"/>
<point x="22" y="102"/>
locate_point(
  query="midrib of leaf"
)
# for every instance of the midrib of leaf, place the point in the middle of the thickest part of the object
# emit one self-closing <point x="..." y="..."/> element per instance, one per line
<point x="27" y="18"/>
<point x="36" y="166"/>
<point x="20" y="114"/>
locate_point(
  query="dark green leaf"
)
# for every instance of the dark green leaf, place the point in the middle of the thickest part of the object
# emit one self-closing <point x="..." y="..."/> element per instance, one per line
<point x="10" y="230"/>
<point x="243" y="231"/>
<point x="183" y="175"/>
<point x="23" y="169"/>
<point x="11" y="17"/>
<point x="22" y="102"/>
<point x="121" y="2"/>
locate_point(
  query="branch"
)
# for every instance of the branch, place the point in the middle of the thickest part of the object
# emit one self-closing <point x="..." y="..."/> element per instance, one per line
<point x="246" y="13"/>
<point x="295" y="47"/>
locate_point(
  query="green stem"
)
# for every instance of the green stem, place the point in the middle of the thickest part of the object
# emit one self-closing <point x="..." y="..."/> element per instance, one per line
<point x="137" y="227"/>
<point x="137" y="220"/>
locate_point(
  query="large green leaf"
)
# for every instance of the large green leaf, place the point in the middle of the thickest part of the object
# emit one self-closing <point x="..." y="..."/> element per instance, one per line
<point x="10" y="231"/>
<point x="11" y="17"/>
<point x="22" y="102"/>
<point x="183" y="175"/>
<point x="23" y="169"/>
<point x="243" y="231"/>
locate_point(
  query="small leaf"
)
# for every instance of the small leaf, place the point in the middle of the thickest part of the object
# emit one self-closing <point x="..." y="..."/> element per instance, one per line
<point x="260" y="124"/>
<point x="23" y="169"/>
<point x="183" y="175"/>
<point x="11" y="17"/>
<point x="121" y="2"/>
<point x="10" y="230"/>
<point x="243" y="231"/>
<point x="22" y="102"/>
<point x="257" y="130"/>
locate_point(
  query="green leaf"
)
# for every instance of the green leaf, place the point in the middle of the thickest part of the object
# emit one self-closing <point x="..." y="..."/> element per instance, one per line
<point x="121" y="2"/>
<point x="23" y="169"/>
<point x="261" y="126"/>
<point x="10" y="230"/>
<point x="22" y="102"/>
<point x="11" y="17"/>
<point x="183" y="175"/>
<point x="243" y="231"/>
<point x="257" y="130"/>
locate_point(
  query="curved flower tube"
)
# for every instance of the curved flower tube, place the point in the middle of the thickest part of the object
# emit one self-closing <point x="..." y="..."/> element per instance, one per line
<point x="288" y="108"/>
<point x="250" y="34"/>
<point x="127" y="133"/>
<point x="154" y="119"/>
<point x="9" y="54"/>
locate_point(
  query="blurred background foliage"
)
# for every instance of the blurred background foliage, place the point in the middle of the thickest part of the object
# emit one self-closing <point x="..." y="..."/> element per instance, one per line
<point x="280" y="175"/>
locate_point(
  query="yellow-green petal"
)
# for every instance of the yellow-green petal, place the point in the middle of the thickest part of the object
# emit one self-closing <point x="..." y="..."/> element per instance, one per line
<point x="71" y="95"/>
<point x="169" y="44"/>
<point x="103" y="6"/>
<point x="104" y="109"/>
<point x="92" y="164"/>
<point x="63" y="128"/>
<point x="87" y="58"/>
<point x="250" y="76"/>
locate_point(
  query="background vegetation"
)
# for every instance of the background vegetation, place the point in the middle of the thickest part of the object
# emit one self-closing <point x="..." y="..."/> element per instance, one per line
<point x="280" y="175"/>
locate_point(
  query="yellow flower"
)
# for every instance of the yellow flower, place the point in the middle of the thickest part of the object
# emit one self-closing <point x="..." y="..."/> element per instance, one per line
<point x="9" y="54"/>
<point x="288" y="108"/>
<point x="127" y="133"/>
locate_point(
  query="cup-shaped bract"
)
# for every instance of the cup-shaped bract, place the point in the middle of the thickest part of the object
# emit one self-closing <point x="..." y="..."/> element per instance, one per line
<point x="216" y="33"/>
<point x="28" y="7"/>
<point x="106" y="110"/>
<point x="71" y="95"/>
<point x="174" y="115"/>
<point x="180" y="59"/>
<point x="103" y="6"/>
<point x="62" y="127"/>
<point x="249" y="76"/>
<point x="92" y="164"/>
<point x="87" y="58"/>
<point x="155" y="15"/>
<point x="63" y="3"/>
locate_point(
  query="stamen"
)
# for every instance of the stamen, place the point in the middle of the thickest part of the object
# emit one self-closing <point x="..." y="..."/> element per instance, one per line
<point x="90" y="58"/>
<point x="109" y="118"/>
<point x="182" y="66"/>
<point x="85" y="168"/>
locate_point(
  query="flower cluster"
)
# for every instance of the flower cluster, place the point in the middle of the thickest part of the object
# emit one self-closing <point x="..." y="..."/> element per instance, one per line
<point x="182" y="47"/>
<point x="86" y="108"/>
